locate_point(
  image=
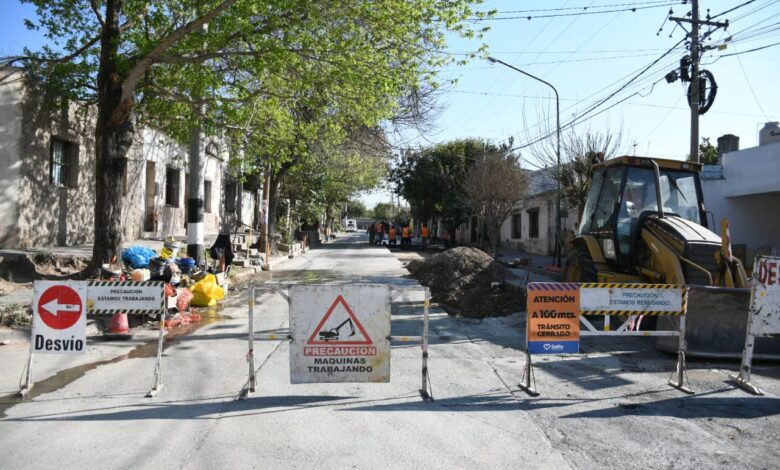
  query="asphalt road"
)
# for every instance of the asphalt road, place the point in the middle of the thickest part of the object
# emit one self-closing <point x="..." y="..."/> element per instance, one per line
<point x="608" y="407"/>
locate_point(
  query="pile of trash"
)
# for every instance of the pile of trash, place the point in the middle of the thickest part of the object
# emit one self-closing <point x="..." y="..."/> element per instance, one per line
<point x="469" y="283"/>
<point x="185" y="283"/>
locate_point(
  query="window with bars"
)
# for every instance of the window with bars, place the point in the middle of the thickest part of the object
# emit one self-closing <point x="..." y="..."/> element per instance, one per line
<point x="63" y="163"/>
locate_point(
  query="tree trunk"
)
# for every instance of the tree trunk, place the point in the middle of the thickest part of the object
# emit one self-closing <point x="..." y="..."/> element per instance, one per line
<point x="114" y="133"/>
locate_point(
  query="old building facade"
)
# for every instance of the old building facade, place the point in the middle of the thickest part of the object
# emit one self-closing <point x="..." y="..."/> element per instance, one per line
<point x="47" y="152"/>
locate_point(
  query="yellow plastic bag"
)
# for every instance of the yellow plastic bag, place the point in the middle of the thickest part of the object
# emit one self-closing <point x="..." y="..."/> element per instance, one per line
<point x="206" y="292"/>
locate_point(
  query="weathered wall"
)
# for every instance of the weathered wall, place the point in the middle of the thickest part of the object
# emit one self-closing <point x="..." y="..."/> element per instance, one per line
<point x="544" y="244"/>
<point x="41" y="213"/>
<point x="51" y="214"/>
<point x="10" y="155"/>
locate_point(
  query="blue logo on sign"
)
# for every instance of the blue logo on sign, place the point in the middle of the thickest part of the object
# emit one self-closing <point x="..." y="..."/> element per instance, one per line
<point x="553" y="347"/>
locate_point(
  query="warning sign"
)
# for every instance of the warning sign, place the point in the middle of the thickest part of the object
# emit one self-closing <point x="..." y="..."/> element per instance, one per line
<point x="59" y="317"/>
<point x="340" y="334"/>
<point x="765" y="296"/>
<point x="632" y="299"/>
<point x="553" y="325"/>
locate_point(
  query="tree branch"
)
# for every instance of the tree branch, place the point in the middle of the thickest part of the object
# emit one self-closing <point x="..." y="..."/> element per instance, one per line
<point x="95" y="9"/>
<point x="138" y="71"/>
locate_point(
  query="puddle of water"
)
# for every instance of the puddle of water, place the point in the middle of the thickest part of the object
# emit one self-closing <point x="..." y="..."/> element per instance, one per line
<point x="146" y="350"/>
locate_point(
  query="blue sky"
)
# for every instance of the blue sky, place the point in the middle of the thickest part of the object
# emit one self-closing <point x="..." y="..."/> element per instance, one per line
<point x="587" y="57"/>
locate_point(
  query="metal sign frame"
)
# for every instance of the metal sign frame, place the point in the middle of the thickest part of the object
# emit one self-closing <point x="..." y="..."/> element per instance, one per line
<point x="679" y="376"/>
<point x="157" y="379"/>
<point x="758" y="290"/>
<point x="283" y="290"/>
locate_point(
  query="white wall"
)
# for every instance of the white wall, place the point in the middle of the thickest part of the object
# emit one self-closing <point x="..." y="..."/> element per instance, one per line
<point x="10" y="155"/>
<point x="749" y="196"/>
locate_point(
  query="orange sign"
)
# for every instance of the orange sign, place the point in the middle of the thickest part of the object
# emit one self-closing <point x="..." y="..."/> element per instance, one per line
<point x="553" y="324"/>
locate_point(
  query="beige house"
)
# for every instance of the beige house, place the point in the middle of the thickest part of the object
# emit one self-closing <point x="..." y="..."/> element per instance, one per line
<point x="531" y="225"/>
<point x="47" y="153"/>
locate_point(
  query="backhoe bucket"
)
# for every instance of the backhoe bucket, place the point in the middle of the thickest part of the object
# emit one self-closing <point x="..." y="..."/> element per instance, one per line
<point x="716" y="325"/>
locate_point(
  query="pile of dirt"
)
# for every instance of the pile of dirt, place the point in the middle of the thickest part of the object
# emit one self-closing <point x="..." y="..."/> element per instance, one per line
<point x="469" y="283"/>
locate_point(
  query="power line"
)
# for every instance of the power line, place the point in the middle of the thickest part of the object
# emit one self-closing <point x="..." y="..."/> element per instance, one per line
<point x="587" y="6"/>
<point x="731" y="9"/>
<point x="563" y="15"/>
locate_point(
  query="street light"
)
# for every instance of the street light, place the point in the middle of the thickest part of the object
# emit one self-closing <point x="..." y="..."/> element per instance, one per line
<point x="557" y="155"/>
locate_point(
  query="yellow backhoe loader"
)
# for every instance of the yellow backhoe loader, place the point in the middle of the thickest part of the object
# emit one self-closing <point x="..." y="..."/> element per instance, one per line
<point x="645" y="221"/>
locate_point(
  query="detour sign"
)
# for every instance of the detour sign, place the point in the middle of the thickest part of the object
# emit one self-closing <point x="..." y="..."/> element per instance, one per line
<point x="553" y="318"/>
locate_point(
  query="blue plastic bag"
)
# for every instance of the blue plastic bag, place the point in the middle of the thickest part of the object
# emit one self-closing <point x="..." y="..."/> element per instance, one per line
<point x="138" y="256"/>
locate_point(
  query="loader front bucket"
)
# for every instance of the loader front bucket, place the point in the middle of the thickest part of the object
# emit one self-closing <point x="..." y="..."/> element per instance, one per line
<point x="716" y="324"/>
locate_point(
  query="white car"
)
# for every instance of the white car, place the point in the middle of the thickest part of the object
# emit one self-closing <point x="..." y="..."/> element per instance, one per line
<point x="351" y="225"/>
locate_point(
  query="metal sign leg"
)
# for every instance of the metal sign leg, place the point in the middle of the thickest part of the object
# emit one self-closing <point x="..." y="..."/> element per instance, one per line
<point x="28" y="381"/>
<point x="528" y="382"/>
<point x="250" y="355"/>
<point x="681" y="372"/>
<point x="743" y="379"/>
<point x="426" y="391"/>
<point x="157" y="384"/>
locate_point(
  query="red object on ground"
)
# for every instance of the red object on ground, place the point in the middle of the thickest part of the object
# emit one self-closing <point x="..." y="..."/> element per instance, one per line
<point x="118" y="324"/>
<point x="554" y="269"/>
<point x="183" y="302"/>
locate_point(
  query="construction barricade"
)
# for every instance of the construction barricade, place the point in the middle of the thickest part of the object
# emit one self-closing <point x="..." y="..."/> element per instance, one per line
<point x="339" y="333"/>
<point x="763" y="315"/>
<point x="556" y="312"/>
<point x="60" y="310"/>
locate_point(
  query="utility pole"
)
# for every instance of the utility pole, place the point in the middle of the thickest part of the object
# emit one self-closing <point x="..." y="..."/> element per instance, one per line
<point x="266" y="219"/>
<point x="695" y="58"/>
<point x="195" y="243"/>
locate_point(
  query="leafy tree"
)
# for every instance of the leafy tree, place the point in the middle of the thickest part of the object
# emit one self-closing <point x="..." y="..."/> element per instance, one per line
<point x="432" y="179"/>
<point x="384" y="211"/>
<point x="493" y="184"/>
<point x="708" y="153"/>
<point x="278" y="74"/>
<point x="356" y="208"/>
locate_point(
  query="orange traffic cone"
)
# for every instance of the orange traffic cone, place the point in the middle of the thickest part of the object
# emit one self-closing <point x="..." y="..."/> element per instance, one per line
<point x="118" y="325"/>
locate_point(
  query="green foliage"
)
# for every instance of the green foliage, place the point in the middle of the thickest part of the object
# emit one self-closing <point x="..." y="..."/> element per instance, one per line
<point x="355" y="209"/>
<point x="288" y="83"/>
<point x="708" y="153"/>
<point x="432" y="179"/>
<point x="384" y="211"/>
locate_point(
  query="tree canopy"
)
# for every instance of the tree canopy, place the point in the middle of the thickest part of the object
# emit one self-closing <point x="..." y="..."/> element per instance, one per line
<point x="276" y="78"/>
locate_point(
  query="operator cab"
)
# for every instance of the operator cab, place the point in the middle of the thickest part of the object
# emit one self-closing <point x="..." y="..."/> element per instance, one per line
<point x="623" y="194"/>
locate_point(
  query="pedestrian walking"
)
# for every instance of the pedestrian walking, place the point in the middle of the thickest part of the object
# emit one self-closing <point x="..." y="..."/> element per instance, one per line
<point x="371" y="233"/>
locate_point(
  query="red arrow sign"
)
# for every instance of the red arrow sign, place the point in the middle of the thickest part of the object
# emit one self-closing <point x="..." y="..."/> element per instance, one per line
<point x="60" y="307"/>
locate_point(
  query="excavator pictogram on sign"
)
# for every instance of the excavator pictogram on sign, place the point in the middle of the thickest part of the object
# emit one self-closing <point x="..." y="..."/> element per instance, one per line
<point x="322" y="334"/>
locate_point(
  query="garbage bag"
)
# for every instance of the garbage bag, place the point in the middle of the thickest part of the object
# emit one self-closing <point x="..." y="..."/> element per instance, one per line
<point x="206" y="292"/>
<point x="138" y="256"/>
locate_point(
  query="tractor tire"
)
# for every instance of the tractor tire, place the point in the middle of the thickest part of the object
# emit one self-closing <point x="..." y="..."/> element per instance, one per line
<point x="580" y="266"/>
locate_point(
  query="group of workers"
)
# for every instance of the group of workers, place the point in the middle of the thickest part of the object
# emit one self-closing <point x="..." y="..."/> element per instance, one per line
<point x="384" y="232"/>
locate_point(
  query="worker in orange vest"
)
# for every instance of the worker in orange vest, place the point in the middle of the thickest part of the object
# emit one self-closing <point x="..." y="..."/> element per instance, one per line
<point x="380" y="230"/>
<point x="445" y="235"/>
<point x="391" y="234"/>
<point x="424" y="234"/>
<point x="406" y="240"/>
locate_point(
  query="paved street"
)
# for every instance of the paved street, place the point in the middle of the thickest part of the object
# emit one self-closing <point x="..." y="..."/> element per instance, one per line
<point x="608" y="407"/>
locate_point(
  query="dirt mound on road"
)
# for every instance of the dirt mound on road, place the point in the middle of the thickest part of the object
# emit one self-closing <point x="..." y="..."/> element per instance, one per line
<point x="469" y="282"/>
